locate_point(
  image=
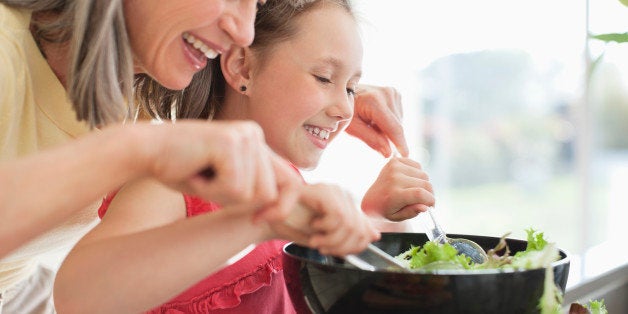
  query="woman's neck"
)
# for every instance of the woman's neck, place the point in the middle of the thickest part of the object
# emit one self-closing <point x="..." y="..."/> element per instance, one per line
<point x="56" y="54"/>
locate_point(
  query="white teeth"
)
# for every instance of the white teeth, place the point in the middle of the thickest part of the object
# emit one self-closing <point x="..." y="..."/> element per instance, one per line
<point x="322" y="134"/>
<point x="199" y="45"/>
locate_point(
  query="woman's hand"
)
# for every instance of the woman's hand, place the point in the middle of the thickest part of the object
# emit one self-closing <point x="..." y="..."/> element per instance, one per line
<point x="243" y="168"/>
<point x="402" y="191"/>
<point x="377" y="119"/>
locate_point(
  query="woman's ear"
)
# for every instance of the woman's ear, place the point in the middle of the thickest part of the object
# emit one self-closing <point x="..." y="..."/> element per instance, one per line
<point x="235" y="67"/>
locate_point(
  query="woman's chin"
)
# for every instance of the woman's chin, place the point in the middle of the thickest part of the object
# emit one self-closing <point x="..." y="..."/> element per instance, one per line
<point x="178" y="82"/>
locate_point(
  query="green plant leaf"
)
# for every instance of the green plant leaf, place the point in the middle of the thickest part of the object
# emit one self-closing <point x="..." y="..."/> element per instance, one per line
<point x="611" y="37"/>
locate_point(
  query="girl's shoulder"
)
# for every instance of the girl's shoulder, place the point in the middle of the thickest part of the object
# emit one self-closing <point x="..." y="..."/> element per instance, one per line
<point x="195" y="205"/>
<point x="147" y="202"/>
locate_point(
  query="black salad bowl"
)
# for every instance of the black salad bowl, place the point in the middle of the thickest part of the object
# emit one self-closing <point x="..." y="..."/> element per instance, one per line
<point x="328" y="285"/>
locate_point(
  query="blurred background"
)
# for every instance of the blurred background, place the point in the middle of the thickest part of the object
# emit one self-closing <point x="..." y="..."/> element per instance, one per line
<point x="519" y="118"/>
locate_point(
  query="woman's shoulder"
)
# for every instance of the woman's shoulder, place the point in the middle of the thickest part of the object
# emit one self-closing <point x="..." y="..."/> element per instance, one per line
<point x="12" y="19"/>
<point x="13" y="34"/>
<point x="14" y="31"/>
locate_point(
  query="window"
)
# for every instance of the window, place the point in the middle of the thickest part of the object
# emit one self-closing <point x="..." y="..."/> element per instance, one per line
<point x="510" y="114"/>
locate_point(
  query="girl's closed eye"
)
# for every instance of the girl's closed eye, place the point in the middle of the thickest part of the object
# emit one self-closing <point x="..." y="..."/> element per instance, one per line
<point x="350" y="91"/>
<point x="322" y="79"/>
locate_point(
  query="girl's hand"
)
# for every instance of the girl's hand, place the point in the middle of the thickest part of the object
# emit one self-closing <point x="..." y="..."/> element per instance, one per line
<point x="337" y="227"/>
<point x="324" y="218"/>
<point x="402" y="191"/>
<point x="377" y="119"/>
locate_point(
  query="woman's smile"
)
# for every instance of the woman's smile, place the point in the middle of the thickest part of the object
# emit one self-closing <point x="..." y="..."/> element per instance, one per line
<point x="197" y="51"/>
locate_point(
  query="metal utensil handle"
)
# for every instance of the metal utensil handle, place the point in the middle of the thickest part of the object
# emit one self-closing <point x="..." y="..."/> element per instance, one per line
<point x="359" y="263"/>
<point x="432" y="229"/>
<point x="390" y="260"/>
<point x="383" y="256"/>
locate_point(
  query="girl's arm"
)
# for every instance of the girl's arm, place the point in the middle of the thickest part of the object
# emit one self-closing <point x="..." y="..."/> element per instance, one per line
<point x="144" y="252"/>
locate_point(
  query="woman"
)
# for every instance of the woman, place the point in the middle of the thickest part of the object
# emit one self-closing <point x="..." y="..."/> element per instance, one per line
<point x="53" y="170"/>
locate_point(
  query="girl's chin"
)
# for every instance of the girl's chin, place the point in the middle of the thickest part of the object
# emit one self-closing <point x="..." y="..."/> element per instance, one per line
<point x="307" y="164"/>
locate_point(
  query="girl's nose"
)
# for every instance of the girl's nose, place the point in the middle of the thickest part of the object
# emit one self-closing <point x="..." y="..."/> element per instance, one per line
<point x="342" y="107"/>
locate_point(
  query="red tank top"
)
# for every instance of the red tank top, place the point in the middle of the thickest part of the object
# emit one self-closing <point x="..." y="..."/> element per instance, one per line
<point x="253" y="284"/>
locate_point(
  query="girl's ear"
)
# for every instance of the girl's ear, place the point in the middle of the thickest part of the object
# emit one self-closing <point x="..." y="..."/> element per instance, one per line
<point x="235" y="65"/>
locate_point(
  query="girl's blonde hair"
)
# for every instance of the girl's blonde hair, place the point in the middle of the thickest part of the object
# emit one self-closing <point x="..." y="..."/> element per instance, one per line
<point x="100" y="78"/>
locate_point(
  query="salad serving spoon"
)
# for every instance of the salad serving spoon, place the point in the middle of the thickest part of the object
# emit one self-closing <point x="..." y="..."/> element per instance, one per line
<point x="467" y="247"/>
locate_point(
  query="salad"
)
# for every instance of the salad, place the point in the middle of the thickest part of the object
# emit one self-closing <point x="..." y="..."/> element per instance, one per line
<point x="432" y="255"/>
<point x="539" y="253"/>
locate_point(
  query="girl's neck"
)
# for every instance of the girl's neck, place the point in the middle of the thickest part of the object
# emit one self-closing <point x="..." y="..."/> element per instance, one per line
<point x="234" y="107"/>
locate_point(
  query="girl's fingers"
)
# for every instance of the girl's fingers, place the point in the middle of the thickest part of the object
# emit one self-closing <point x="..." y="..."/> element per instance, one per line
<point x="407" y="212"/>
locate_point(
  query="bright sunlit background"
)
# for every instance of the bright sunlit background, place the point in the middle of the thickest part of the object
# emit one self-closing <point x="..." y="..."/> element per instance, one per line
<point x="519" y="120"/>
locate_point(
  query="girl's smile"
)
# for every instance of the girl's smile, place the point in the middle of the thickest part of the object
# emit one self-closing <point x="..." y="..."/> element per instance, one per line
<point x="319" y="135"/>
<point x="301" y="91"/>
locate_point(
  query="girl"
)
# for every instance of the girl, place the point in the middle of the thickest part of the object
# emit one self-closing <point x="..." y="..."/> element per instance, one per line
<point x="297" y="81"/>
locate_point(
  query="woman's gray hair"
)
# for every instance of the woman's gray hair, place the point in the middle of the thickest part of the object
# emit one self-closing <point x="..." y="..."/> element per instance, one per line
<point x="100" y="81"/>
<point x="100" y="74"/>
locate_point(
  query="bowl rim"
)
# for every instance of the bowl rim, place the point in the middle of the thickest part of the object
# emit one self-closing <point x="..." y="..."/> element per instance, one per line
<point x="565" y="260"/>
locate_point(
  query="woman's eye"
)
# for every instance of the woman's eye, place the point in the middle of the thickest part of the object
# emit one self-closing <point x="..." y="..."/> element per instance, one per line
<point x="351" y="91"/>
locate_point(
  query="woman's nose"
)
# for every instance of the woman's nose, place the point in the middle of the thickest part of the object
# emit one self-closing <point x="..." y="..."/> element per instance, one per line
<point x="240" y="24"/>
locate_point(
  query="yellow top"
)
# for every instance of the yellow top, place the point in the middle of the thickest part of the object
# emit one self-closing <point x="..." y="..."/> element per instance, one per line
<point x="35" y="114"/>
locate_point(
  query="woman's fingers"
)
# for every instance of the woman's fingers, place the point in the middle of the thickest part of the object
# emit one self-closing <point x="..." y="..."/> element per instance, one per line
<point x="244" y="169"/>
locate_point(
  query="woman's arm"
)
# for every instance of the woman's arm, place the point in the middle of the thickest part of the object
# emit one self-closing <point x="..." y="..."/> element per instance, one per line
<point x="40" y="191"/>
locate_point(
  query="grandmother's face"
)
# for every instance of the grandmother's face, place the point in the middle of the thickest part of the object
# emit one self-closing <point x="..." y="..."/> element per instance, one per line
<point x="172" y="40"/>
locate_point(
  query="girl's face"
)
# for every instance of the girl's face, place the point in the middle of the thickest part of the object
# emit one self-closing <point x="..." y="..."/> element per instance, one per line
<point x="171" y="40"/>
<point x="302" y="92"/>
